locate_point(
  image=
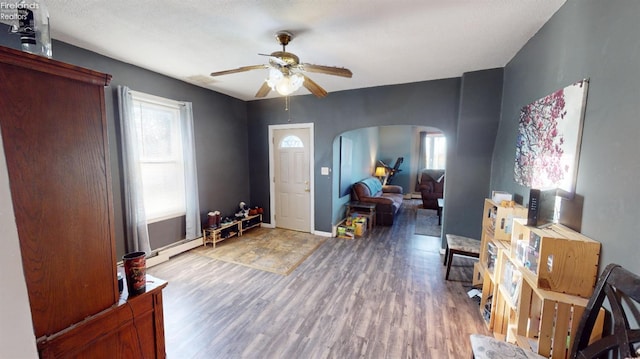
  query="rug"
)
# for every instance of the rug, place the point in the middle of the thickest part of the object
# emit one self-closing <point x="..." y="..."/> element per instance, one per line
<point x="273" y="250"/>
<point x="427" y="222"/>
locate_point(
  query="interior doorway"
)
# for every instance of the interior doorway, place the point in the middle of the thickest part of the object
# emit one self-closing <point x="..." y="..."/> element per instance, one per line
<point x="291" y="176"/>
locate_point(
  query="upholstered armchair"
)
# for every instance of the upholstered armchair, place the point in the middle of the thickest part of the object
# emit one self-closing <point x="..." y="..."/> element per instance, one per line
<point x="431" y="189"/>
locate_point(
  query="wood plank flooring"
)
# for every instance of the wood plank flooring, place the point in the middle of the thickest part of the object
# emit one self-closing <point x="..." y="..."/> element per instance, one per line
<point x="379" y="296"/>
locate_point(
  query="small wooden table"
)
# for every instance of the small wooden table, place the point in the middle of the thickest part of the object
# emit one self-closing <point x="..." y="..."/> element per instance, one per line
<point x="366" y="209"/>
<point x="460" y="245"/>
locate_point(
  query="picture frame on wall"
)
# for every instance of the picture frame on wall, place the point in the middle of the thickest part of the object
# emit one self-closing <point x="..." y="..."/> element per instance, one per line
<point x="549" y="140"/>
<point x="346" y="154"/>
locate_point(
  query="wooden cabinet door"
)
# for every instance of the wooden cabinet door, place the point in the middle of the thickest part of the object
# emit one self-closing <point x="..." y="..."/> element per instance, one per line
<point x="54" y="132"/>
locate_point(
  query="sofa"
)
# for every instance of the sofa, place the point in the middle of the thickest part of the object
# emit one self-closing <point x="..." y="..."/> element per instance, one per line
<point x="387" y="199"/>
<point x="431" y="189"/>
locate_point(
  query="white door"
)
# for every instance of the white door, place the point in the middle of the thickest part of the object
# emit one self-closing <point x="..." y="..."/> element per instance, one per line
<point x="291" y="179"/>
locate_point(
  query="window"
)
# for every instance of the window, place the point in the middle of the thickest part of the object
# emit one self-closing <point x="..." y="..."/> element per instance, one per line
<point x="160" y="156"/>
<point x="291" y="142"/>
<point x="435" y="151"/>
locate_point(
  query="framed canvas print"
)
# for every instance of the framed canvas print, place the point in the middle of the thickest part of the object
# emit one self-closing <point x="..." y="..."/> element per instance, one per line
<point x="549" y="138"/>
<point x="346" y="149"/>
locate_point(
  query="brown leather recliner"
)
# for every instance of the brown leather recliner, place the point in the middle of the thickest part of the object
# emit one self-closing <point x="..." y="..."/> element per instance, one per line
<point x="431" y="189"/>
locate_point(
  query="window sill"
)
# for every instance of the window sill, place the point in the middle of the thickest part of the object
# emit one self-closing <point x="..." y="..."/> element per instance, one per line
<point x="165" y="217"/>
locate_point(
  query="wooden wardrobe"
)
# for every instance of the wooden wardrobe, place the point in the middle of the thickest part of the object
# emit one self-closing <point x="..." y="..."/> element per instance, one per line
<point x="54" y="130"/>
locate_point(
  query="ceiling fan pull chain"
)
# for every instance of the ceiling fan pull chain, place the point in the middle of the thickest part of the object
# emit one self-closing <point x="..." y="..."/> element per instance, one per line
<point x="286" y="107"/>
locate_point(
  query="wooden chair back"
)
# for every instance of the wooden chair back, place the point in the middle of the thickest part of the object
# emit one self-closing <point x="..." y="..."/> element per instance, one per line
<point x="621" y="290"/>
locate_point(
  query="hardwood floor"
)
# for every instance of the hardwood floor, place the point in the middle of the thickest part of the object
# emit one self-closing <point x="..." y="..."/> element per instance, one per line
<point x="379" y="296"/>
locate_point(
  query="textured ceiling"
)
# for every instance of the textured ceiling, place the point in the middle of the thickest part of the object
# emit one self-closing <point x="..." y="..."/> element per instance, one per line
<point x="382" y="42"/>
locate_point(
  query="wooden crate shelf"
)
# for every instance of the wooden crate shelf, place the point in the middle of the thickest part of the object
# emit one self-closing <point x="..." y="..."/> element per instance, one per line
<point x="537" y="319"/>
<point x="547" y="321"/>
<point x="497" y="219"/>
<point x="557" y="258"/>
<point x="535" y="307"/>
<point x="496" y="229"/>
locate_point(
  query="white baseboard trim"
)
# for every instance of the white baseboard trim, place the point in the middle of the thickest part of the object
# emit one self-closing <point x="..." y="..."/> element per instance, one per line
<point x="164" y="254"/>
<point x="322" y="234"/>
<point x="314" y="232"/>
<point x="157" y="260"/>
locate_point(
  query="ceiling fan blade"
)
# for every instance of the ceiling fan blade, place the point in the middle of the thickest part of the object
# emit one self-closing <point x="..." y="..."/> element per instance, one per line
<point x="264" y="90"/>
<point x="328" y="70"/>
<point x="313" y="87"/>
<point x="239" y="69"/>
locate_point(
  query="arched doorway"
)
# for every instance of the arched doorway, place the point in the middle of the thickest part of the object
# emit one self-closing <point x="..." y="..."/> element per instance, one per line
<point x="385" y="143"/>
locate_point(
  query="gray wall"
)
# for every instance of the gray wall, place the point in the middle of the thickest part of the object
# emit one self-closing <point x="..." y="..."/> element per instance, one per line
<point x="469" y="152"/>
<point x="598" y="40"/>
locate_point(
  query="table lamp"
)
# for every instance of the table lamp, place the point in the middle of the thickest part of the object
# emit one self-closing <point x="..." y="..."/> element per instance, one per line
<point x="380" y="173"/>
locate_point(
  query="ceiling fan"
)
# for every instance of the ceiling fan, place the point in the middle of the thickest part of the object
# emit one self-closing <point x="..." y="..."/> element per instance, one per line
<point x="286" y="72"/>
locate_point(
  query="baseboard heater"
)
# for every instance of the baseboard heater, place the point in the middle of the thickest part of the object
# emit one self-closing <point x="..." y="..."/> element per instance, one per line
<point x="163" y="254"/>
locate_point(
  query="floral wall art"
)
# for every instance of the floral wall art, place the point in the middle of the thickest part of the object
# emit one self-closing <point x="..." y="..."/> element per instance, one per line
<point x="549" y="136"/>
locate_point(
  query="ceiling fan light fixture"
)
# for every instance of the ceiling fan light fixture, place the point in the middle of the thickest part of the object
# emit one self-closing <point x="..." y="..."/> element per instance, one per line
<point x="284" y="84"/>
<point x="290" y="84"/>
<point x="275" y="76"/>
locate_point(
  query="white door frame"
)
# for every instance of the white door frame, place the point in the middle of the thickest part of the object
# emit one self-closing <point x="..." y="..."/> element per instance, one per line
<point x="272" y="186"/>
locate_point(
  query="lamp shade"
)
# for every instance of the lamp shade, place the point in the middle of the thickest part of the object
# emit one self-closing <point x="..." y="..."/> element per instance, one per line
<point x="380" y="171"/>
